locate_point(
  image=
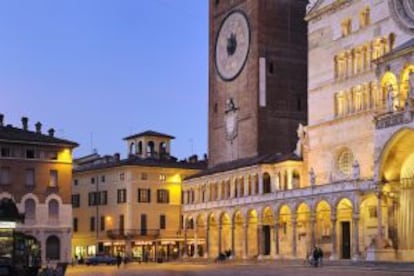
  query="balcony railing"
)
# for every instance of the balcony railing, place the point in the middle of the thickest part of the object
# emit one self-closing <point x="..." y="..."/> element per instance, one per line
<point x="394" y="119"/>
<point x="133" y="233"/>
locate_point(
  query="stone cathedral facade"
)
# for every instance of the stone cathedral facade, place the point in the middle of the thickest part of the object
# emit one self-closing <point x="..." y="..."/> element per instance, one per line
<point x="331" y="165"/>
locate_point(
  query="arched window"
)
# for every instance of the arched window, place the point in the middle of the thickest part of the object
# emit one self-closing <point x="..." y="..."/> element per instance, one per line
<point x="345" y="160"/>
<point x="150" y="149"/>
<point x="139" y="147"/>
<point x="53" y="248"/>
<point x="235" y="188"/>
<point x="256" y="184"/>
<point x="285" y="181"/>
<point x="53" y="209"/>
<point x="163" y="148"/>
<point x="132" y="148"/>
<point x="241" y="183"/>
<point x="266" y="183"/>
<point x="30" y="209"/>
<point x="295" y="179"/>
<point x="249" y="186"/>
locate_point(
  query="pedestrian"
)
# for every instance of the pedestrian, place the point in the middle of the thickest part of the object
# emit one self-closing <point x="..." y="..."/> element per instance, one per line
<point x="320" y="256"/>
<point x="315" y="255"/>
<point x="118" y="259"/>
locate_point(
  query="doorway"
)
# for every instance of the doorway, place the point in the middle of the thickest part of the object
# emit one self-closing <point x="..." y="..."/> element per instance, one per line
<point x="346" y="240"/>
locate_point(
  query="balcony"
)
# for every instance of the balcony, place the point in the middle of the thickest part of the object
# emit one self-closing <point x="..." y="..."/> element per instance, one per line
<point x="394" y="119"/>
<point x="142" y="234"/>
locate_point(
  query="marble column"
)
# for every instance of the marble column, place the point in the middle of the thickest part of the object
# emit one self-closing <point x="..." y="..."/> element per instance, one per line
<point x="207" y="240"/>
<point x="220" y="228"/>
<point x="233" y="241"/>
<point x="276" y="237"/>
<point x="195" y="255"/>
<point x="312" y="234"/>
<point x="259" y="240"/>
<point x="185" y="239"/>
<point x="294" y="239"/>
<point x="334" y="255"/>
<point x="355" y="226"/>
<point x="380" y="230"/>
<point x="246" y="238"/>
<point x="260" y="178"/>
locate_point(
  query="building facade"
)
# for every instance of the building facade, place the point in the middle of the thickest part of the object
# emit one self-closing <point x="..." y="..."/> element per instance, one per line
<point x="131" y="206"/>
<point x="36" y="173"/>
<point x="348" y="186"/>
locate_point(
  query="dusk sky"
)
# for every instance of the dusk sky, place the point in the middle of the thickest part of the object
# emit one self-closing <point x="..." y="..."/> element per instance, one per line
<point x="99" y="70"/>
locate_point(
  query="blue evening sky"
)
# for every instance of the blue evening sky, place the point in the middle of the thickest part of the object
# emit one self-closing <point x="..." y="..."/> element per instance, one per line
<point x="100" y="70"/>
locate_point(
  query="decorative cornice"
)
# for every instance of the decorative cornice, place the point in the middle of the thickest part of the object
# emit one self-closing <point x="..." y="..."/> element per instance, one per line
<point x="314" y="13"/>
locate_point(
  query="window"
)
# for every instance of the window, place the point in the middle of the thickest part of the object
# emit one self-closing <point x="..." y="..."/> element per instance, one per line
<point x="121" y="197"/>
<point x="103" y="198"/>
<point x="144" y="195"/>
<point x="103" y="178"/>
<point x="53" y="209"/>
<point x="4" y="175"/>
<point x="92" y="180"/>
<point x="53" y="178"/>
<point x="162" y="222"/>
<point x="75" y="201"/>
<point x="92" y="224"/>
<point x="5" y="152"/>
<point x="121" y="222"/>
<point x="75" y="224"/>
<point x="30" y="177"/>
<point x="53" y="155"/>
<point x="53" y="248"/>
<point x="163" y="177"/>
<point x="144" y="176"/>
<point x="122" y="176"/>
<point x="102" y="223"/>
<point x="163" y="196"/>
<point x="270" y="69"/>
<point x="345" y="160"/>
<point x="30" y="154"/>
<point x="30" y="209"/>
<point x="75" y="182"/>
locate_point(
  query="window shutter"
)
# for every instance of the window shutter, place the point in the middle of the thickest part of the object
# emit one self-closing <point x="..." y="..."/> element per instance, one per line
<point x="149" y="195"/>
<point x="168" y="196"/>
<point x="139" y="195"/>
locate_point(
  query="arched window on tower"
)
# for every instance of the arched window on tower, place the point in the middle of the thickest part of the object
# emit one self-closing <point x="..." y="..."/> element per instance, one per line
<point x="132" y="148"/>
<point x="267" y="188"/>
<point x="139" y="147"/>
<point x="163" y="149"/>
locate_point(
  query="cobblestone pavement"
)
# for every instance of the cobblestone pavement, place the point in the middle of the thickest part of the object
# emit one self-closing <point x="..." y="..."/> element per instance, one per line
<point x="246" y="269"/>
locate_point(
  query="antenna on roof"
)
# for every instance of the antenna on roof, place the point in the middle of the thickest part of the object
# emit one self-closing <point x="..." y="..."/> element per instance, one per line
<point x="92" y="148"/>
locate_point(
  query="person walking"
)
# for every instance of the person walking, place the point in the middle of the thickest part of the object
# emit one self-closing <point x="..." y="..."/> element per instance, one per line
<point x="118" y="260"/>
<point x="315" y="255"/>
<point x="320" y="256"/>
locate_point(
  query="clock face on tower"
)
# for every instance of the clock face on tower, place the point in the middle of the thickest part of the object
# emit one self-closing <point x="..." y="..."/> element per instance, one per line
<point x="232" y="45"/>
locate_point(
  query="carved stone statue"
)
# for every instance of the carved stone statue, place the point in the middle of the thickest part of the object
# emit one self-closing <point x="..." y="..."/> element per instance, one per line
<point x="312" y="177"/>
<point x="355" y="170"/>
<point x="301" y="139"/>
<point x="390" y="98"/>
<point x="411" y="84"/>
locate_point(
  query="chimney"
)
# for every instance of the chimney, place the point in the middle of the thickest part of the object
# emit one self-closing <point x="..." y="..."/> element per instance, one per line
<point x="51" y="132"/>
<point x="25" y="120"/>
<point x="1" y="120"/>
<point x="38" y="126"/>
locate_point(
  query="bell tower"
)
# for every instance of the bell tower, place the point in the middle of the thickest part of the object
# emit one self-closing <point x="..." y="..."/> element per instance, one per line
<point x="257" y="77"/>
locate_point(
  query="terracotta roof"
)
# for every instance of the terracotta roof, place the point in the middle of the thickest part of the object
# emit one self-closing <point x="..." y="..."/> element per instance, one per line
<point x="247" y="162"/>
<point x="149" y="162"/>
<point x="12" y="134"/>
<point x="149" y="133"/>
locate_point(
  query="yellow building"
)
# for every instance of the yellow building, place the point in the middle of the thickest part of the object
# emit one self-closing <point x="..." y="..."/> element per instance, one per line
<point x="36" y="173"/>
<point x="133" y="205"/>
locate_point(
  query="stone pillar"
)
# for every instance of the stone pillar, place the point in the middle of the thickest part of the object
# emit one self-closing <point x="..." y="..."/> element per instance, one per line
<point x="380" y="230"/>
<point x="220" y="228"/>
<point x="355" y="226"/>
<point x="220" y="190"/>
<point x="233" y="241"/>
<point x="246" y="186"/>
<point x="293" y="219"/>
<point x="207" y="245"/>
<point x="185" y="239"/>
<point x="276" y="237"/>
<point x="312" y="234"/>
<point x="259" y="241"/>
<point x="195" y="242"/>
<point x="245" y="244"/>
<point x="260" y="178"/>
<point x="333" y="238"/>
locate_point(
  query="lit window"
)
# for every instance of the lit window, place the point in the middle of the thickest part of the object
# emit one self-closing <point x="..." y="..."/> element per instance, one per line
<point x="345" y="160"/>
<point x="163" y="177"/>
<point x="53" y="178"/>
<point x="121" y="196"/>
